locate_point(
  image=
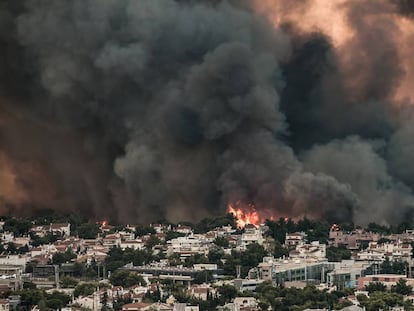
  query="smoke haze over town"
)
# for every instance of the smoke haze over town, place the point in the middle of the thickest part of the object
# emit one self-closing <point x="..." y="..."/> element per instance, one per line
<point x="141" y="110"/>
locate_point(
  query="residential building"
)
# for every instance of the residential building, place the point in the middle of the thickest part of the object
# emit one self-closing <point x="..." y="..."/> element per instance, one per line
<point x="251" y="235"/>
<point x="386" y="279"/>
<point x="352" y="240"/>
<point x="4" y="305"/>
<point x="345" y="274"/>
<point x="133" y="244"/>
<point x="11" y="276"/>
<point x="246" y="284"/>
<point x="295" y="238"/>
<point x="188" y="245"/>
<point x="314" y="250"/>
<point x="183" y="229"/>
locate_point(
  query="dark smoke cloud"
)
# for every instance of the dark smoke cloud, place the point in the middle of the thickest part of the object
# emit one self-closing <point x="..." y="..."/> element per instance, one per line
<point x="356" y="162"/>
<point x="322" y="196"/>
<point x="400" y="151"/>
<point x="140" y="110"/>
<point x="405" y="7"/>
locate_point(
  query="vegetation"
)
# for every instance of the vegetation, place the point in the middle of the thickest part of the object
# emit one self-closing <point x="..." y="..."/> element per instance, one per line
<point x="87" y="231"/>
<point x="47" y="239"/>
<point x="68" y="282"/>
<point x="31" y="297"/>
<point x="338" y="253"/>
<point x="142" y="230"/>
<point x="402" y="288"/>
<point x="85" y="289"/>
<point x="117" y="258"/>
<point x="286" y="299"/>
<point x="172" y="235"/>
<point x="126" y="279"/>
<point x="208" y="224"/>
<point x="314" y="230"/>
<point x="221" y="241"/>
<point x="19" y="227"/>
<point x="246" y="260"/>
<point x="375" y="287"/>
<point x="59" y="258"/>
<point x="383" y="301"/>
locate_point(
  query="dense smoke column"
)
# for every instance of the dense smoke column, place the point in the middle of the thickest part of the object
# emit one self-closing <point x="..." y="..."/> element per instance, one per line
<point x="127" y="102"/>
<point x="141" y="110"/>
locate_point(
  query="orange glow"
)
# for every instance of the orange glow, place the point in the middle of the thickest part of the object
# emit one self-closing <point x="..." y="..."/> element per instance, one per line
<point x="245" y="214"/>
<point x="102" y="223"/>
<point x="337" y="21"/>
<point x="9" y="189"/>
<point x="335" y="227"/>
<point x="405" y="90"/>
<point x="318" y="15"/>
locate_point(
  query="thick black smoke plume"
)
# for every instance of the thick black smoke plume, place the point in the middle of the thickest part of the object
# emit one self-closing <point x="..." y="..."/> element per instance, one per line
<point x="141" y="110"/>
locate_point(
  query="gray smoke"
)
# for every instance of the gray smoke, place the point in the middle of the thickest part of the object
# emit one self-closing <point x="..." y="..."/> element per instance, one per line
<point x="357" y="163"/>
<point x="141" y="110"/>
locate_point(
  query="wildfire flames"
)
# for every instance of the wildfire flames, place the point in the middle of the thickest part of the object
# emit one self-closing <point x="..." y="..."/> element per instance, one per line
<point x="102" y="223"/>
<point x="245" y="214"/>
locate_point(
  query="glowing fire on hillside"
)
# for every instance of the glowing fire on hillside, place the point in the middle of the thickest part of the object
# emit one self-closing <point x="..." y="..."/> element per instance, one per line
<point x="102" y="223"/>
<point x="245" y="214"/>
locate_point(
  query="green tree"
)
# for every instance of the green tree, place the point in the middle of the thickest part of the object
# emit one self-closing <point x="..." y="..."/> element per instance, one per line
<point x="117" y="258"/>
<point x="57" y="300"/>
<point x="88" y="231"/>
<point x="141" y="230"/>
<point x="215" y="254"/>
<point x="105" y="302"/>
<point x="172" y="235"/>
<point x="58" y="258"/>
<point x="375" y="287"/>
<point x="393" y="267"/>
<point x="68" y="282"/>
<point x="195" y="259"/>
<point x="208" y="224"/>
<point x="226" y="293"/>
<point x="252" y="256"/>
<point x="221" y="241"/>
<point x="152" y="241"/>
<point x="204" y="276"/>
<point x="84" y="289"/>
<point x="19" y="227"/>
<point x="31" y="297"/>
<point x="154" y="296"/>
<point x="29" y="285"/>
<point x="126" y="278"/>
<point x="338" y="253"/>
<point x="43" y="306"/>
<point x="402" y="287"/>
<point x="385" y="300"/>
<point x="246" y="260"/>
<point x="277" y="230"/>
<point x="54" y="304"/>
<point x="11" y="248"/>
<point x="174" y="260"/>
<point x="275" y="248"/>
<point x="376" y="228"/>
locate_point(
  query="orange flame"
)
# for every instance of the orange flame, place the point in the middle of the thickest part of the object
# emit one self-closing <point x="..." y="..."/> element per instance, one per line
<point x="245" y="214"/>
<point x="103" y="223"/>
<point x="335" y="227"/>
